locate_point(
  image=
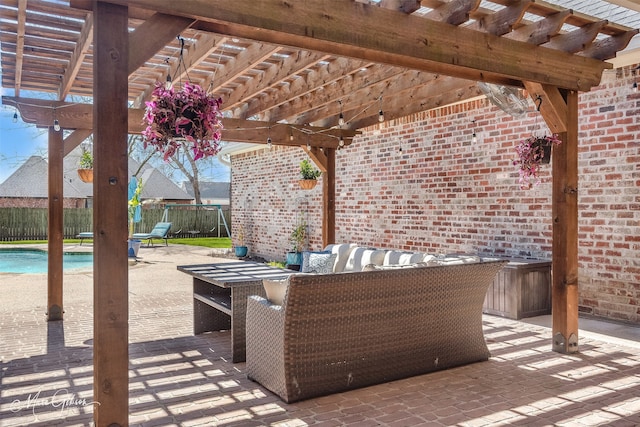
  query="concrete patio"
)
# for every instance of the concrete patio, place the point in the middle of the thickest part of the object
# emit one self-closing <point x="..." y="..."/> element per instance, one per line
<point x="180" y="379"/>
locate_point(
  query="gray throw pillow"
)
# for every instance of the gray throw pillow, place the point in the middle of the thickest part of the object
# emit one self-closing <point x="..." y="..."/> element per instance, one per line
<point x="318" y="262"/>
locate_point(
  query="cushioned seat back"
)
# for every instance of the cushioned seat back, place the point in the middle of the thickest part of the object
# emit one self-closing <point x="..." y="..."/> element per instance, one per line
<point x="359" y="257"/>
<point x="161" y="229"/>
<point x="402" y="258"/>
<point x="343" y="251"/>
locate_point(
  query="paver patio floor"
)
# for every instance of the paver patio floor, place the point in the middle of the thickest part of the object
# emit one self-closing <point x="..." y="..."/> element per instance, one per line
<point x="180" y="379"/>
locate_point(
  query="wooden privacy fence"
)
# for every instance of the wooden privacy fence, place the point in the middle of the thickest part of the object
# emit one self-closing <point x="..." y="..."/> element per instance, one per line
<point x="31" y="223"/>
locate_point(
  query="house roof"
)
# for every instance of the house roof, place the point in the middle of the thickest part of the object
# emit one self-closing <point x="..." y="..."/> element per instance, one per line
<point x="210" y="190"/>
<point x="30" y="180"/>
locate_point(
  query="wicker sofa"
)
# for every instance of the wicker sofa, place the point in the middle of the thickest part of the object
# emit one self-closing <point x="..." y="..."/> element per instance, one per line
<point x="336" y="332"/>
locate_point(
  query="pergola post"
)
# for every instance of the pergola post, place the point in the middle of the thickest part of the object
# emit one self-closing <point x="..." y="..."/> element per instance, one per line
<point x="55" y="225"/>
<point x="329" y="199"/>
<point x="564" y="295"/>
<point x="111" y="274"/>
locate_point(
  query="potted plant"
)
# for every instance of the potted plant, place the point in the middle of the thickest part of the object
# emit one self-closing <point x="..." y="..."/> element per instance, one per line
<point x="85" y="166"/>
<point x="240" y="249"/>
<point x="308" y="174"/>
<point x="532" y="153"/>
<point x="187" y="117"/>
<point x="297" y="239"/>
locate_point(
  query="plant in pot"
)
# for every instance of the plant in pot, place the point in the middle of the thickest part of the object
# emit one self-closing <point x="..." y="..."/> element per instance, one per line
<point x="308" y="174"/>
<point x="533" y="152"/>
<point x="240" y="249"/>
<point x="188" y="118"/>
<point x="85" y="166"/>
<point x="297" y="239"/>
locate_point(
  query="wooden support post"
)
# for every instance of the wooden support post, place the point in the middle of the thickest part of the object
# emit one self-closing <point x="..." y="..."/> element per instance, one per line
<point x="111" y="274"/>
<point x="329" y="198"/>
<point x="55" y="226"/>
<point x="564" y="297"/>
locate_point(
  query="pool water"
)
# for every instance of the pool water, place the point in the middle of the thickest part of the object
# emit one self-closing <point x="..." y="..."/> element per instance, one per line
<point x="18" y="260"/>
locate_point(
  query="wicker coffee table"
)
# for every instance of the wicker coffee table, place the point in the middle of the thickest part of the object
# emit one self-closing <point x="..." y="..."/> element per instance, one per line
<point x="220" y="294"/>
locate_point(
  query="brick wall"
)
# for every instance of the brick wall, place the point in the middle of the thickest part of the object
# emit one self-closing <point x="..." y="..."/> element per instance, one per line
<point x="419" y="183"/>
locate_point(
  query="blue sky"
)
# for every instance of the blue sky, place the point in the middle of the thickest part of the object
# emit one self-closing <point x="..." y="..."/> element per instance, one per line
<point x="18" y="141"/>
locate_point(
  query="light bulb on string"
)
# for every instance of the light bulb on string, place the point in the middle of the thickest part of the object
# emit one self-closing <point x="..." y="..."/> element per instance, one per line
<point x="15" y="117"/>
<point x="341" y="142"/>
<point x="291" y="135"/>
<point x="269" y="145"/>
<point x="380" y="112"/>
<point x="474" y="136"/>
<point x="341" y="116"/>
<point x="56" y="125"/>
<point x="635" y="86"/>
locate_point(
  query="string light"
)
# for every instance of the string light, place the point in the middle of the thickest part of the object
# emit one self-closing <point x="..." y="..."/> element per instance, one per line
<point x="341" y="116"/>
<point x="380" y="113"/>
<point x="474" y="137"/>
<point x="56" y="123"/>
<point x="341" y="143"/>
<point x="635" y="86"/>
<point x="269" y="139"/>
<point x="15" y="117"/>
<point x="291" y="135"/>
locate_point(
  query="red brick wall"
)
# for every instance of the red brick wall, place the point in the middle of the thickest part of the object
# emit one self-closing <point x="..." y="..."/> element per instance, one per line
<point x="419" y="183"/>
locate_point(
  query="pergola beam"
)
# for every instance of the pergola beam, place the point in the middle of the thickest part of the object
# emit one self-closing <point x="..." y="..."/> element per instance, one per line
<point x="328" y="26"/>
<point x="42" y="112"/>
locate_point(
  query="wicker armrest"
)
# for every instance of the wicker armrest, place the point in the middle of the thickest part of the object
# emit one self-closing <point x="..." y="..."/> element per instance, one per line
<point x="265" y="343"/>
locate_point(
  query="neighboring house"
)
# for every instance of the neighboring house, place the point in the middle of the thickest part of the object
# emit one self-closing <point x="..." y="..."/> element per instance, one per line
<point x="212" y="193"/>
<point x="27" y="186"/>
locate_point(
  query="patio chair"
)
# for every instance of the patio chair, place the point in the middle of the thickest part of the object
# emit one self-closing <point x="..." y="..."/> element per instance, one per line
<point x="84" y="235"/>
<point x="160" y="231"/>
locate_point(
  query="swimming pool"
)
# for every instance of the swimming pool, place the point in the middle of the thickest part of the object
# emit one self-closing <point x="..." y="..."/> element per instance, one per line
<point x="22" y="260"/>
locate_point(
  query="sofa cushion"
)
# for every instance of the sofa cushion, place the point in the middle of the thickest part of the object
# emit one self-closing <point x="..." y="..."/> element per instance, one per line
<point x="275" y="289"/>
<point x="318" y="262"/>
<point x="395" y="266"/>
<point x="342" y="251"/>
<point x="454" y="259"/>
<point x="402" y="258"/>
<point x="359" y="257"/>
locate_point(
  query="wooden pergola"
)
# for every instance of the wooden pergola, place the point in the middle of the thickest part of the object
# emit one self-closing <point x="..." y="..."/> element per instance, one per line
<point x="287" y="70"/>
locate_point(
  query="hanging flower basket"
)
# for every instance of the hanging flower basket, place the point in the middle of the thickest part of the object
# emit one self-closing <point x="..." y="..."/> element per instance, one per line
<point x="307" y="184"/>
<point x="308" y="174"/>
<point x="532" y="153"/>
<point x="86" y="175"/>
<point x="185" y="118"/>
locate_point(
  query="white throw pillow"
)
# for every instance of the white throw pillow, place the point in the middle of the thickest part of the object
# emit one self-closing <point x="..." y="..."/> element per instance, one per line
<point x="275" y="289"/>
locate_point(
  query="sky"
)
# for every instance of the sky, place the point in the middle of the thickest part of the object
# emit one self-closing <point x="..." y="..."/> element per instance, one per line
<point x="18" y="141"/>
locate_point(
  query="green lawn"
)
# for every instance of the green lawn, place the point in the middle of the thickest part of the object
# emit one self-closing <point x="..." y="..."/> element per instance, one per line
<point x="207" y="242"/>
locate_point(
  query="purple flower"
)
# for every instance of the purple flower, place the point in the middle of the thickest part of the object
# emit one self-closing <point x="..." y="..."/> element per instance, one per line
<point x="189" y="114"/>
